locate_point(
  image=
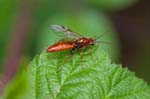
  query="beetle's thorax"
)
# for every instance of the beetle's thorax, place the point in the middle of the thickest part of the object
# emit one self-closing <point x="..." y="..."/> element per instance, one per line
<point x="83" y="42"/>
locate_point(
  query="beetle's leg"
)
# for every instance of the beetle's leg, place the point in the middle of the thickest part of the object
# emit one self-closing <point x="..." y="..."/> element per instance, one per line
<point x="72" y="51"/>
<point x="69" y="57"/>
<point x="90" y="51"/>
<point x="81" y="53"/>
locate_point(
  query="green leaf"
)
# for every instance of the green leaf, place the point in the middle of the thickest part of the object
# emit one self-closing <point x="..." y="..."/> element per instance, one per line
<point x="89" y="77"/>
<point x="86" y="75"/>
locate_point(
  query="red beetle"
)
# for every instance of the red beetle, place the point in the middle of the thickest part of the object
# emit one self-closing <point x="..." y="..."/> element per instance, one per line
<point x="71" y="41"/>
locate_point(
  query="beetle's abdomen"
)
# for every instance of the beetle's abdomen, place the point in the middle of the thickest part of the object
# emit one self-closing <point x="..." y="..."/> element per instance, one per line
<point x="61" y="46"/>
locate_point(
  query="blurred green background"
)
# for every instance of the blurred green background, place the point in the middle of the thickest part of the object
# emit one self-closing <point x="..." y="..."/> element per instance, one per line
<point x="25" y="30"/>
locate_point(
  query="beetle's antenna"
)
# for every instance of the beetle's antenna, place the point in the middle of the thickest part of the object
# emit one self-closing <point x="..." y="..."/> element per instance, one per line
<point x="100" y="36"/>
<point x="102" y="42"/>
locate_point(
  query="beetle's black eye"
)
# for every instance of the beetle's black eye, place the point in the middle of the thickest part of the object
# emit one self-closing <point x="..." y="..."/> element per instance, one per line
<point x="92" y="44"/>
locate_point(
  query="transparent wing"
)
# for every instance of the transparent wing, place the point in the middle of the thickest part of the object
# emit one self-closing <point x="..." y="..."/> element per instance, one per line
<point x="68" y="33"/>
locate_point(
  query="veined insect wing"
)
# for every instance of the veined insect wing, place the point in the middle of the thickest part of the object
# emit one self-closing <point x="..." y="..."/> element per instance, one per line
<point x="58" y="28"/>
<point x="68" y="33"/>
